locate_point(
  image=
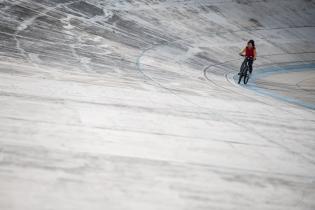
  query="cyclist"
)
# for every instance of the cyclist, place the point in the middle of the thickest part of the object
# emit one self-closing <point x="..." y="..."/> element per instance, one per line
<point x="249" y="52"/>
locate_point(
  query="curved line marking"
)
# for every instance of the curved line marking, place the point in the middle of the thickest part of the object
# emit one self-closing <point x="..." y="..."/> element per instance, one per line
<point x="265" y="72"/>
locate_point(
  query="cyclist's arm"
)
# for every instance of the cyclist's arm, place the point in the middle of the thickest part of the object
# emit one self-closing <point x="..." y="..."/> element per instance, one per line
<point x="255" y="54"/>
<point x="242" y="52"/>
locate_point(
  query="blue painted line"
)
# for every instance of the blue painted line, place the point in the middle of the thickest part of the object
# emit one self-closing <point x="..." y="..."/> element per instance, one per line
<point x="265" y="72"/>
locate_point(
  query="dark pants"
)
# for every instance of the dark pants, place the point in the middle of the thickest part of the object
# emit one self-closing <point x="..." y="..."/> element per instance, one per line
<point x="250" y="64"/>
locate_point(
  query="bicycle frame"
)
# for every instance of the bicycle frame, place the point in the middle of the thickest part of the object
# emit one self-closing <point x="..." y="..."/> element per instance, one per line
<point x="244" y="71"/>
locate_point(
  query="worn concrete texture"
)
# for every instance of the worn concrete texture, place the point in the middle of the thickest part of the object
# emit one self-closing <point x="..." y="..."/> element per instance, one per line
<point x="132" y="105"/>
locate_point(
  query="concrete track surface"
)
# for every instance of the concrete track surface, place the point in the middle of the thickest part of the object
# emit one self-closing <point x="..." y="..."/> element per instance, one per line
<point x="123" y="105"/>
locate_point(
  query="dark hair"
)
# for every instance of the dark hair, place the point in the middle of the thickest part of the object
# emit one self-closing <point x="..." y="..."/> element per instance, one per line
<point x="252" y="42"/>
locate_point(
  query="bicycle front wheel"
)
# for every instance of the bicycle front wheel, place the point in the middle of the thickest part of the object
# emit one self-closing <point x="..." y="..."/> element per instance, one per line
<point x="246" y="78"/>
<point x="240" y="78"/>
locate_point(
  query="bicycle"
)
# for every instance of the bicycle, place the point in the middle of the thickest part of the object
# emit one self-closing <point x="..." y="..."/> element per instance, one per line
<point x="244" y="70"/>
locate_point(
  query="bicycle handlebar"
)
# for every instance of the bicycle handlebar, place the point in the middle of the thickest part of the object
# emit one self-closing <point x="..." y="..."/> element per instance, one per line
<point x="246" y="56"/>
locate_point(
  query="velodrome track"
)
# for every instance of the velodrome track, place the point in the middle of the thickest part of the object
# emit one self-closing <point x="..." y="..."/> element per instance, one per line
<point x="134" y="105"/>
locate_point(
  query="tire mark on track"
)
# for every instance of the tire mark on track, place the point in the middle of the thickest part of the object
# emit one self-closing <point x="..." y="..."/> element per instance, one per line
<point x="206" y="69"/>
<point x="138" y="63"/>
<point x="221" y="116"/>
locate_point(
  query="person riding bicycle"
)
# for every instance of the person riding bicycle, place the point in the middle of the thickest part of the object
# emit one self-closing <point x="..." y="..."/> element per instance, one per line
<point x="249" y="52"/>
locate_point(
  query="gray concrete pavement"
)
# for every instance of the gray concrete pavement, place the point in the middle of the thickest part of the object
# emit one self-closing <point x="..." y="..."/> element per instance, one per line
<point x="291" y="85"/>
<point x="132" y="105"/>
